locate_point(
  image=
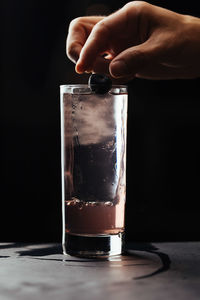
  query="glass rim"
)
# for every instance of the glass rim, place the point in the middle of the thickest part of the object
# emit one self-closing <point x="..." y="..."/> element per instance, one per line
<point x="84" y="88"/>
<point x="86" y="85"/>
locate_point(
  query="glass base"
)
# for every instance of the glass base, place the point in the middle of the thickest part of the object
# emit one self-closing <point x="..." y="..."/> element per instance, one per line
<point x="93" y="245"/>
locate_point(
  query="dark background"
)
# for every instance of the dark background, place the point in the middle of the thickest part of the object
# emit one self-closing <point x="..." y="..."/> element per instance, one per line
<point x="163" y="131"/>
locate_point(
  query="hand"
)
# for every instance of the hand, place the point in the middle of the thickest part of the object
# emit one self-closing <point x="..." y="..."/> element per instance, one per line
<point x="139" y="40"/>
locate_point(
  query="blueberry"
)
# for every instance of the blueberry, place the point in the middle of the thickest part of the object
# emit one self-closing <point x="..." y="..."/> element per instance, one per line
<point x="100" y="84"/>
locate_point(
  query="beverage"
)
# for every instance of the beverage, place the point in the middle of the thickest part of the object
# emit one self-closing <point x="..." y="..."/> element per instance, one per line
<point x="94" y="189"/>
<point x="94" y="217"/>
<point x="94" y="163"/>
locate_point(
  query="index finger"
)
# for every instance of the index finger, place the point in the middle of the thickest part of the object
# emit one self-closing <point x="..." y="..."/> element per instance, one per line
<point x="79" y="30"/>
<point x="100" y="38"/>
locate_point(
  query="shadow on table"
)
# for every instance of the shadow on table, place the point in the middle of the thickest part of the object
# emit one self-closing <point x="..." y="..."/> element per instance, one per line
<point x="150" y="248"/>
<point x="136" y="254"/>
<point x="30" y="249"/>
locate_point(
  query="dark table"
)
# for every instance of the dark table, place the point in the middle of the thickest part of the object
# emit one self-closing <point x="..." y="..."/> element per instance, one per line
<point x="147" y="271"/>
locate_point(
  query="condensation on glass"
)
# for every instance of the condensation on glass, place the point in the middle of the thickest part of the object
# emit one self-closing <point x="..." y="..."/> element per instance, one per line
<point x="93" y="146"/>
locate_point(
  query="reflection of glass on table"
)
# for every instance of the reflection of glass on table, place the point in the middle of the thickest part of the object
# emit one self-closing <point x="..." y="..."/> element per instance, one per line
<point x="93" y="129"/>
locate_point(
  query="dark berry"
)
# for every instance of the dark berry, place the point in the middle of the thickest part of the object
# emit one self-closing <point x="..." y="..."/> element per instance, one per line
<point x="100" y="84"/>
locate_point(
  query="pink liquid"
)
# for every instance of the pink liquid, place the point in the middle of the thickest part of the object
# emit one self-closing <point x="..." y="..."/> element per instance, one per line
<point x="94" y="217"/>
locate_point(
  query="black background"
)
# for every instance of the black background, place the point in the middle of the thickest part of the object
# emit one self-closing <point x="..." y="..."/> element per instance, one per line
<point x="163" y="131"/>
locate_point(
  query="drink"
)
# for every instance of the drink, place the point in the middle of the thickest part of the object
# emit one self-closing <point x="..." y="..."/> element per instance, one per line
<point x="94" y="217"/>
<point x="96" y="190"/>
<point x="94" y="161"/>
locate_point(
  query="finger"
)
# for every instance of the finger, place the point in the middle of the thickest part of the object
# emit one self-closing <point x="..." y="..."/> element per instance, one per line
<point x="101" y="65"/>
<point x="100" y="38"/>
<point x="122" y="25"/>
<point x="135" y="59"/>
<point x="74" y="50"/>
<point x="154" y="70"/>
<point x="146" y="60"/>
<point x="79" y="30"/>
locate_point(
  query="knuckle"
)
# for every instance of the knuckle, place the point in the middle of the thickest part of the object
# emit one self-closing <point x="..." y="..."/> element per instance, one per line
<point x="77" y="22"/>
<point x="71" y="51"/>
<point x="101" y="28"/>
<point x="140" y="6"/>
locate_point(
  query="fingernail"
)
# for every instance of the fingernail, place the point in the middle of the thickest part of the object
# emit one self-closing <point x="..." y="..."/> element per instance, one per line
<point x="118" y="68"/>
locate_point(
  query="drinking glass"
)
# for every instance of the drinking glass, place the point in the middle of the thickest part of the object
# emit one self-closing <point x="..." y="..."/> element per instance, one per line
<point x="93" y="150"/>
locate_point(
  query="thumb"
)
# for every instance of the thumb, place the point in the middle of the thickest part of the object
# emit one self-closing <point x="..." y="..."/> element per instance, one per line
<point x="132" y="60"/>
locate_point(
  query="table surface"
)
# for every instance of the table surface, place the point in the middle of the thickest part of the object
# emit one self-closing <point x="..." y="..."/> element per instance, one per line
<point x="147" y="271"/>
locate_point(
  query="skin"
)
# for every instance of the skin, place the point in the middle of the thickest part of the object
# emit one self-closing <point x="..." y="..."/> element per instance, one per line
<point x="139" y="40"/>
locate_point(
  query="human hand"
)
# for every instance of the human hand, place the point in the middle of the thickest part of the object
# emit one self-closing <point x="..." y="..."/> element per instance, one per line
<point x="139" y="40"/>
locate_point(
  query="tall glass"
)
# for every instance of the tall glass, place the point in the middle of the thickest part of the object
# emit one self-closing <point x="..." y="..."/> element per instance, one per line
<point x="93" y="142"/>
